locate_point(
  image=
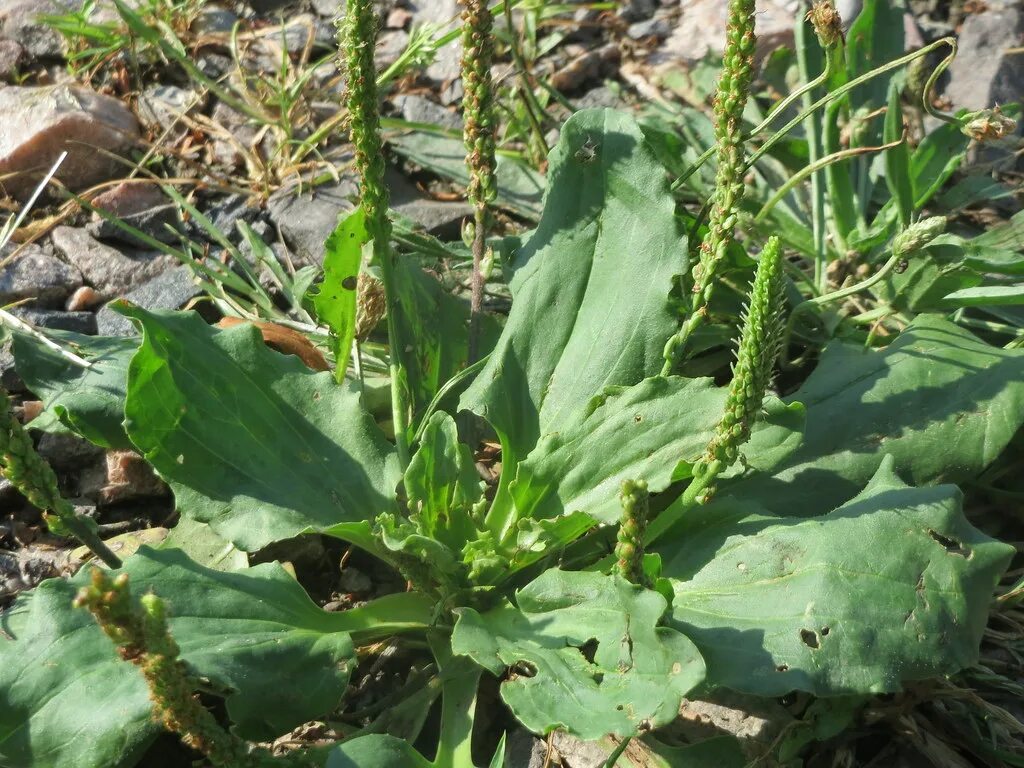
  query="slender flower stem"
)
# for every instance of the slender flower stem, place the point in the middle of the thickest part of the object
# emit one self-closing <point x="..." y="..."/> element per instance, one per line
<point x="479" y="135"/>
<point x="358" y="33"/>
<point x="35" y="479"/>
<point x="730" y="101"/>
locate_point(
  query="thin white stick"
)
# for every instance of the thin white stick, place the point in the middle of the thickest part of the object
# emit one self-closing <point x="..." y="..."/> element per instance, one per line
<point x="6" y="318"/>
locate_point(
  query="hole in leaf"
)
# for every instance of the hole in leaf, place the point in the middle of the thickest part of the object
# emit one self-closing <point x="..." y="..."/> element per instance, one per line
<point x="825" y="631"/>
<point x="523" y="669"/>
<point x="810" y="638"/>
<point x="589" y="650"/>
<point x="638" y="418"/>
<point x="782" y="668"/>
<point x="952" y="546"/>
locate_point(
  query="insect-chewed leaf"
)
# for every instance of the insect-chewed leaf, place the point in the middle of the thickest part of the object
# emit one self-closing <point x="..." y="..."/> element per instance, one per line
<point x="251" y="441"/>
<point x="584" y="653"/>
<point x="893" y="586"/>
<point x="335" y="297"/>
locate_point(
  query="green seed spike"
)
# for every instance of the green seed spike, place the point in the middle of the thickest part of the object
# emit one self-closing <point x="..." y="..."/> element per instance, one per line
<point x="755" y="363"/>
<point x="139" y="630"/>
<point x="730" y="101"/>
<point x="357" y="36"/>
<point x="629" y="551"/>
<point x="34" y="478"/>
<point x="918" y="235"/>
<point x="479" y="134"/>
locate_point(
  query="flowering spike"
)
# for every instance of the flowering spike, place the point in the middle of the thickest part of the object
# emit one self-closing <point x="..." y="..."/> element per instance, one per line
<point x="629" y="551"/>
<point x="34" y="478"/>
<point x="139" y="630"/>
<point x="730" y="102"/>
<point x="755" y="363"/>
<point x="918" y="235"/>
<point x="827" y="23"/>
<point x="480" y="124"/>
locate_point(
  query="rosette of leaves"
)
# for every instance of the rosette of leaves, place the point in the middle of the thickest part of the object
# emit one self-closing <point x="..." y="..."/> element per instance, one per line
<point x="835" y="558"/>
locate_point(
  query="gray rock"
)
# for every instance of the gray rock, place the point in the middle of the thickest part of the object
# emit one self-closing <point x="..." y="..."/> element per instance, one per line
<point x="602" y="97"/>
<point x="214" y="19"/>
<point x="355" y="581"/>
<point x="42" y="121"/>
<point x="110" y="271"/>
<point x="524" y="750"/>
<point x="636" y="10"/>
<point x="269" y="6"/>
<point x="329" y="8"/>
<point x="447" y="65"/>
<point x="161" y="107"/>
<point x="307" y="218"/>
<point x="419" y="109"/>
<point x="170" y="290"/>
<point x="19" y="21"/>
<point x="143" y="206"/>
<point x="982" y="75"/>
<point x="656" y="27"/>
<point x="11" y="55"/>
<point x="79" y="322"/>
<point x="701" y="29"/>
<point x="9" y="377"/>
<point x="67" y="452"/>
<point x="35" y="275"/>
<point x="440" y="218"/>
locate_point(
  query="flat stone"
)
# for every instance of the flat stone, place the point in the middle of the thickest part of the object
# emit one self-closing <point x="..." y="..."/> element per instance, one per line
<point x="307" y="218"/>
<point x="438" y="217"/>
<point x="420" y="109"/>
<point x="143" y="206"/>
<point x="700" y="29"/>
<point x="40" y="122"/>
<point x="33" y="274"/>
<point x="982" y="75"/>
<point x="11" y="56"/>
<point x="110" y="271"/>
<point x="67" y="451"/>
<point x="161" y="107"/>
<point x="447" y="65"/>
<point x="79" y="322"/>
<point x="19" y="21"/>
<point x="172" y="289"/>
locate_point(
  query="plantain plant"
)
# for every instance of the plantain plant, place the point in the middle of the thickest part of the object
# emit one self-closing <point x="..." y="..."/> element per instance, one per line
<point x="652" y="535"/>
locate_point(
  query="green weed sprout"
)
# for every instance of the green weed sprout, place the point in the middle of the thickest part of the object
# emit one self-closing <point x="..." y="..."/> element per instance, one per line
<point x="35" y="479"/>
<point x="139" y="630"/>
<point x="730" y="101"/>
<point x="358" y="33"/>
<point x="480" y="124"/>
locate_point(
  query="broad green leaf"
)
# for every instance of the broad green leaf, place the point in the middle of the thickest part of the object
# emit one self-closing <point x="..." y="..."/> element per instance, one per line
<point x="590" y="305"/>
<point x="715" y="752"/>
<point x="335" y="297"/>
<point x="986" y="296"/>
<point x="88" y="401"/>
<point x="897" y="158"/>
<point x="377" y="750"/>
<point x="442" y="484"/>
<point x="893" y="586"/>
<point x="68" y="701"/>
<point x="203" y="546"/>
<point x="586" y="655"/>
<point x="643" y="432"/>
<point x="875" y="38"/>
<point x="943" y="403"/>
<point x="936" y="158"/>
<point x="251" y="441"/>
